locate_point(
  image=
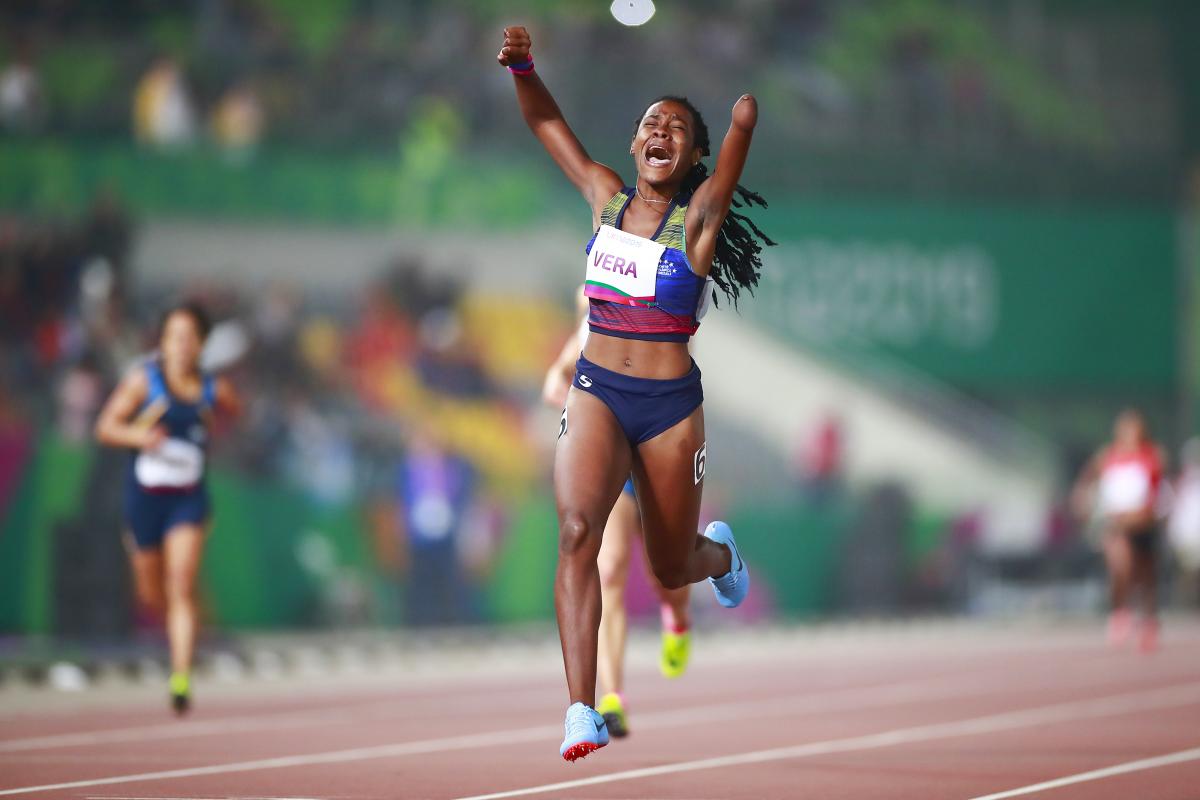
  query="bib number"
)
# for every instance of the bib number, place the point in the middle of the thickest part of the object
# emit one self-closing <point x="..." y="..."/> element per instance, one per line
<point x="175" y="464"/>
<point x="622" y="268"/>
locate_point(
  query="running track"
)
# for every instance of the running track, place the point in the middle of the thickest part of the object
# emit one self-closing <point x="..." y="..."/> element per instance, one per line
<point x="933" y="711"/>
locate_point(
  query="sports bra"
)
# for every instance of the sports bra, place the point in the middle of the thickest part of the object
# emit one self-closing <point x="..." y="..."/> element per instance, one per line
<point x="661" y="304"/>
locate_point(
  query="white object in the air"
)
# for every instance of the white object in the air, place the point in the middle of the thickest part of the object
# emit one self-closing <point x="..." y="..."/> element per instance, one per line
<point x="632" y="12"/>
<point x="226" y="344"/>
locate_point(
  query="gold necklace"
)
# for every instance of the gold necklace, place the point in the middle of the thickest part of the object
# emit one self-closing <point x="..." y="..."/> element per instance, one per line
<point x="647" y="199"/>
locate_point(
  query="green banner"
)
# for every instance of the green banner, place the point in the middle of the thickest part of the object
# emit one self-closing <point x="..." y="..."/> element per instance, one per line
<point x="986" y="297"/>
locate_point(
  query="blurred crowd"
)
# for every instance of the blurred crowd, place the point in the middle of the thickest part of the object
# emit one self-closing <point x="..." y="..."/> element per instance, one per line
<point x="411" y="398"/>
<point x="962" y="80"/>
<point x="378" y="401"/>
<point x="414" y="403"/>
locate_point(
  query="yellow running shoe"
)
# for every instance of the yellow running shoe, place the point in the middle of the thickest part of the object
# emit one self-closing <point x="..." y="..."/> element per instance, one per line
<point x="676" y="649"/>
<point x="181" y="692"/>
<point x="613" y="710"/>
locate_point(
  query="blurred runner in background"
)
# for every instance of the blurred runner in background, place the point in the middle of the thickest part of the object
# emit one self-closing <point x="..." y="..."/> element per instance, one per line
<point x="1121" y="487"/>
<point x="162" y="411"/>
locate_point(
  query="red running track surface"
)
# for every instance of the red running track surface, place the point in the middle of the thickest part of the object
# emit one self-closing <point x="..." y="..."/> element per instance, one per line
<point x="932" y="712"/>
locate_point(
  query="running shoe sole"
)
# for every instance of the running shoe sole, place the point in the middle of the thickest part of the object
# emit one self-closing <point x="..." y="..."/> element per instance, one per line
<point x="581" y="750"/>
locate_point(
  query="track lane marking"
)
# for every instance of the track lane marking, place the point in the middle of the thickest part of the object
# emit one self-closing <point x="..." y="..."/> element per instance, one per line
<point x="1154" y="762"/>
<point x="847" y="699"/>
<point x="972" y="726"/>
<point x="267" y="720"/>
<point x="290" y="719"/>
<point x="300" y="718"/>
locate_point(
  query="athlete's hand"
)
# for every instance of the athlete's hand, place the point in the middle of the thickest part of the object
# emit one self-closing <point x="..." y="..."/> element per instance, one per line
<point x="555" y="388"/>
<point x="153" y="438"/>
<point x="516" y="46"/>
<point x="745" y="112"/>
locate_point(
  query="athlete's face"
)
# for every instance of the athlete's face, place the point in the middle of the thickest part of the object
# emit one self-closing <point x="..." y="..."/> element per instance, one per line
<point x="1130" y="430"/>
<point x="181" y="342"/>
<point x="664" y="146"/>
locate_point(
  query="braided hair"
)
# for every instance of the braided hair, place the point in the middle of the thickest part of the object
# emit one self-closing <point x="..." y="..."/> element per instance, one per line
<point x="736" y="262"/>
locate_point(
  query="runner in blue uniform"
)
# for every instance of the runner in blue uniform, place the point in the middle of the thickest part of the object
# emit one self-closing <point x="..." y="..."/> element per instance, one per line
<point x="162" y="411"/>
<point x="636" y="402"/>
<point x="622" y="533"/>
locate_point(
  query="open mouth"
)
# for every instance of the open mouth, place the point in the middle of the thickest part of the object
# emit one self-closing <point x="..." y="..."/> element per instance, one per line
<point x="657" y="156"/>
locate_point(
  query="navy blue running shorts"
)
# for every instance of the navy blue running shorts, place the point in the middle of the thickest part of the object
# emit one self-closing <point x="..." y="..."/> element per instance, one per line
<point x="643" y="407"/>
<point x="150" y="515"/>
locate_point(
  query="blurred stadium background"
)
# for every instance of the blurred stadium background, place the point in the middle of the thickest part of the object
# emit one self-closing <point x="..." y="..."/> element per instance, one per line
<point x="989" y="227"/>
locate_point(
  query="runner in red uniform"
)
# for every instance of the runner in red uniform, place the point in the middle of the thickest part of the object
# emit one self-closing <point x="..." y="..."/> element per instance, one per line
<point x="1126" y="477"/>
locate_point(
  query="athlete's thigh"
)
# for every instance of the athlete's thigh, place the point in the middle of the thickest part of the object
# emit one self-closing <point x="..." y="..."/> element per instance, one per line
<point x="591" y="460"/>
<point x="620" y="533"/>
<point x="668" y="473"/>
<point x="183" y="547"/>
<point x="1117" y="552"/>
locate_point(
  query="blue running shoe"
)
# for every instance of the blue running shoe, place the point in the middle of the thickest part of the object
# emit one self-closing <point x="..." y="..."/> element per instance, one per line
<point x="586" y="732"/>
<point x="731" y="587"/>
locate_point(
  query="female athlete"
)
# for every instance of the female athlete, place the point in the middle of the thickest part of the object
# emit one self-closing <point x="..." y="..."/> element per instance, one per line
<point x="621" y="532"/>
<point x="162" y="411"/>
<point x="636" y="399"/>
<point x="1128" y="478"/>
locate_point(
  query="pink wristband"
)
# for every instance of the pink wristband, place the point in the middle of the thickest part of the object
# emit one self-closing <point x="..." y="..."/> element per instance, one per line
<point x="524" y="68"/>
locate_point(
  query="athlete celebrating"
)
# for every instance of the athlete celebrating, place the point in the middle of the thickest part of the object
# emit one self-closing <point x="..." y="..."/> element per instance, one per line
<point x="162" y="411"/>
<point x="621" y="532"/>
<point x="1127" y="475"/>
<point x="636" y="403"/>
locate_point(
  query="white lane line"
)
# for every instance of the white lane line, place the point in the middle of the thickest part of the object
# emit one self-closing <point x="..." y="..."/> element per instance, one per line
<point x="281" y="720"/>
<point x="297" y="719"/>
<point x="1186" y="694"/>
<point x="1098" y="774"/>
<point x="144" y="733"/>
<point x="841" y="700"/>
<point x="846" y="699"/>
<point x="268" y="720"/>
<point x="331" y="757"/>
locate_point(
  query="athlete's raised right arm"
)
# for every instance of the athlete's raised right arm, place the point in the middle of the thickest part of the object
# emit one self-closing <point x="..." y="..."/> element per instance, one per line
<point x="596" y="182"/>
<point x="115" y="426"/>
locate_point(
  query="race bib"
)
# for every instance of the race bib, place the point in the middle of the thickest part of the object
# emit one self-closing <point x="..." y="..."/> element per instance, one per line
<point x="175" y="464"/>
<point x="1124" y="488"/>
<point x="622" y="268"/>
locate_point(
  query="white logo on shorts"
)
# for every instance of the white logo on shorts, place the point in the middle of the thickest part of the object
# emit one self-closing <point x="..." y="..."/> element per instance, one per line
<point x="585" y="381"/>
<point x="698" y="462"/>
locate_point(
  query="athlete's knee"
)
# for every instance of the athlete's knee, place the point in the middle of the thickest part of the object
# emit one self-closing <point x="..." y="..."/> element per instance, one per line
<point x="151" y="598"/>
<point x="181" y="585"/>
<point x="614" y="574"/>
<point x="575" y="534"/>
<point x="612" y="588"/>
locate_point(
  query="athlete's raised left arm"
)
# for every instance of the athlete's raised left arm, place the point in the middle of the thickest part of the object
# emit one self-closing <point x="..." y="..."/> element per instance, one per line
<point x="712" y="199"/>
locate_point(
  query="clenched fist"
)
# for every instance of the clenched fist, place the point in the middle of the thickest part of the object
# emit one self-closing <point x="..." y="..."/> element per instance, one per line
<point x="516" y="46"/>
